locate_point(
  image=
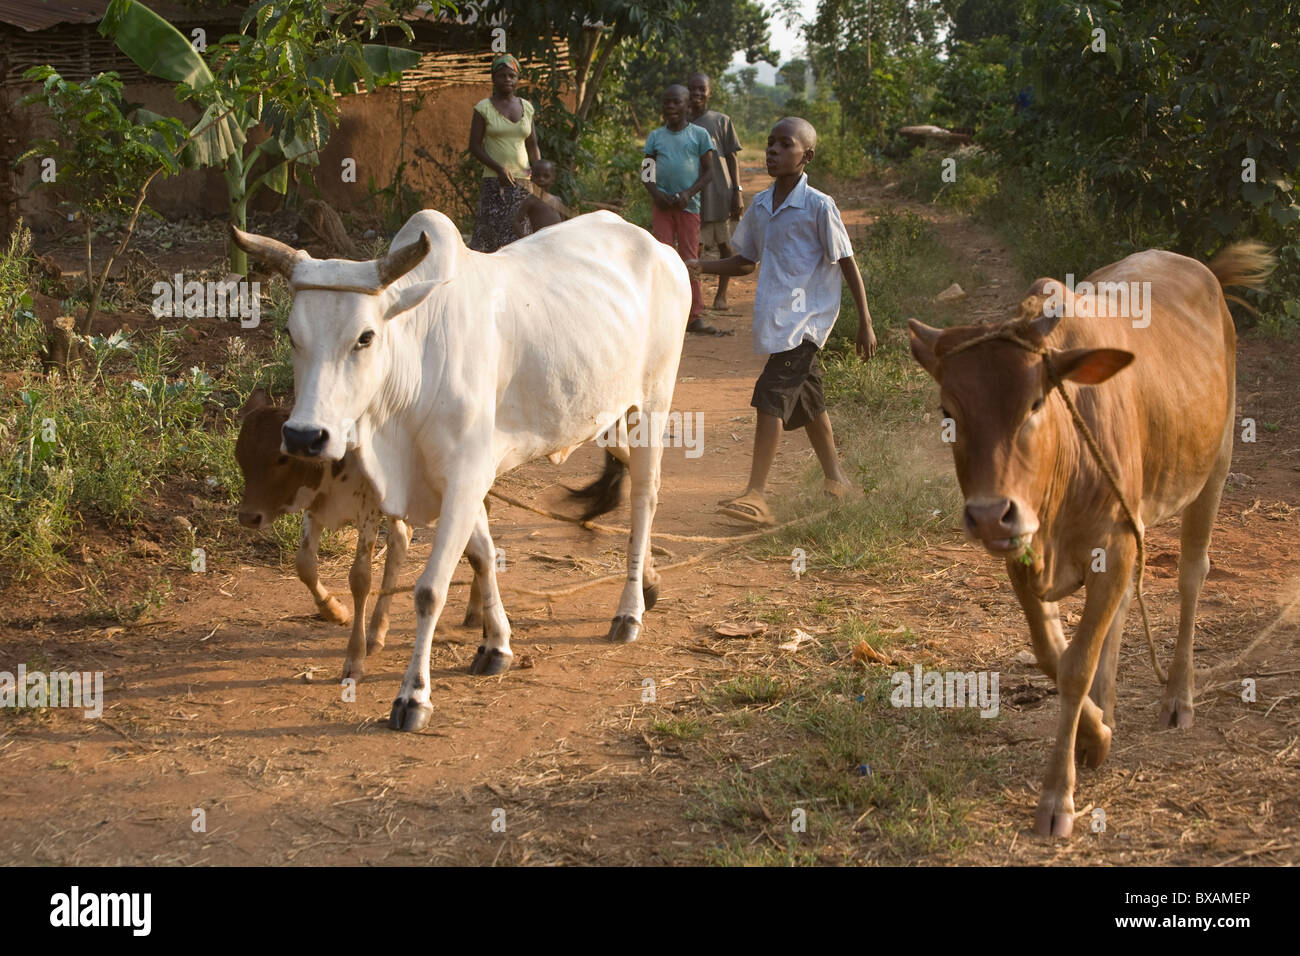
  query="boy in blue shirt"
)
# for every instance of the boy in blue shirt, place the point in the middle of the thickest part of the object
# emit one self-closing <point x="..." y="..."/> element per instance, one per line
<point x="797" y="233"/>
<point x="682" y="155"/>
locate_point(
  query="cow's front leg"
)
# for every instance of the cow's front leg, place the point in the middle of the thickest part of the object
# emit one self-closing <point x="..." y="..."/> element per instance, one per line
<point x="304" y="563"/>
<point x="643" y="469"/>
<point x="456" y="521"/>
<point x="399" y="540"/>
<point x="494" y="655"/>
<point x="1048" y="640"/>
<point x="1074" y="675"/>
<point x="354" y="666"/>
<point x="1104" y="683"/>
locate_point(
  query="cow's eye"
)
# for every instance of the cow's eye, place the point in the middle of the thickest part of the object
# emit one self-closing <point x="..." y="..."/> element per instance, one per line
<point x="282" y="460"/>
<point x="366" y="338"/>
<point x="1036" y="406"/>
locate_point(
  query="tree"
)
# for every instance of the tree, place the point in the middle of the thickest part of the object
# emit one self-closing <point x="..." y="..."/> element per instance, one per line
<point x="709" y="35"/>
<point x="280" y="72"/>
<point x="794" y="75"/>
<point x="104" y="157"/>
<point x="880" y="56"/>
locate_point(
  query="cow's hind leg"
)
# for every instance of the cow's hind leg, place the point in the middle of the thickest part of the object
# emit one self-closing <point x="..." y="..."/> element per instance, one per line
<point x="457" y="517"/>
<point x="399" y="540"/>
<point x="644" y="460"/>
<point x="359" y="583"/>
<point x="494" y="655"/>
<point x="305" y="564"/>
<point x="1193" y="566"/>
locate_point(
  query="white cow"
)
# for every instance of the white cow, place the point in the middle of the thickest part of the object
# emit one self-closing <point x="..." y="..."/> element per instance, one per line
<point x="446" y="367"/>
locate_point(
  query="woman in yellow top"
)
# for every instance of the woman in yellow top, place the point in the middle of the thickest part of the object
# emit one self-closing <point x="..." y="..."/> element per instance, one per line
<point x="502" y="138"/>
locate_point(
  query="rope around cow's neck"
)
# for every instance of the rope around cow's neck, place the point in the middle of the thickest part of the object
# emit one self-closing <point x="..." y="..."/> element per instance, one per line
<point x="1009" y="332"/>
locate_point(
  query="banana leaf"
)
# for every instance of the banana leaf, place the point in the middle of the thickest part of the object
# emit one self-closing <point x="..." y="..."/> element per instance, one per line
<point x="161" y="50"/>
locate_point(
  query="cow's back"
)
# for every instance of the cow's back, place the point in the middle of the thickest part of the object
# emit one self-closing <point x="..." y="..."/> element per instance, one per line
<point x="587" y="319"/>
<point x="1170" y="409"/>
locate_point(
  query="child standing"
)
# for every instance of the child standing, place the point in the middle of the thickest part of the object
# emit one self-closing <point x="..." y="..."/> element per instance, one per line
<point x="683" y="165"/>
<point x="722" y="200"/>
<point x="798" y="234"/>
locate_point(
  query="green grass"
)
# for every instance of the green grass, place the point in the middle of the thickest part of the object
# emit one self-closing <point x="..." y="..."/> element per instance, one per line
<point x="894" y="783"/>
<point x="679" y="728"/>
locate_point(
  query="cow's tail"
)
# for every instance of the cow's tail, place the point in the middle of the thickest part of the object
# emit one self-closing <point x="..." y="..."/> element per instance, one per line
<point x="604" y="492"/>
<point x="1243" y="264"/>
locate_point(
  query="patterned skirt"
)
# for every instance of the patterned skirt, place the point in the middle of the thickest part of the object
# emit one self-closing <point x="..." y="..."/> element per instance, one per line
<point x="497" y="208"/>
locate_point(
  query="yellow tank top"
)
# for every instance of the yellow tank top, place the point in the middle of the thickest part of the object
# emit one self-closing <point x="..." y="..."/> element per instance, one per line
<point x="504" y="140"/>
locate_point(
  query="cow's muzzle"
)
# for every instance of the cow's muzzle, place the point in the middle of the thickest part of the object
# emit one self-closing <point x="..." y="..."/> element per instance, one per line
<point x="304" y="442"/>
<point x="251" y="519"/>
<point x="1000" y="524"/>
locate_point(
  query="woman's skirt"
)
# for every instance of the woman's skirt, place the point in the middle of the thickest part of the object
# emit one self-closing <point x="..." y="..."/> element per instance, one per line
<point x="497" y="207"/>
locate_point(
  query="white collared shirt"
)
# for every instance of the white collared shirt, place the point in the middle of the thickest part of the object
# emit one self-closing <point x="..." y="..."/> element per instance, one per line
<point x="799" y="246"/>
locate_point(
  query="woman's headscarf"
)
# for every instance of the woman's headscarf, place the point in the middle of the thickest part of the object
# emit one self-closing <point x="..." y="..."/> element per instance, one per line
<point x="505" y="59"/>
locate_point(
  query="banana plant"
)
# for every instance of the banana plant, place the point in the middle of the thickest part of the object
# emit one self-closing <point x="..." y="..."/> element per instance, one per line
<point x="280" y="73"/>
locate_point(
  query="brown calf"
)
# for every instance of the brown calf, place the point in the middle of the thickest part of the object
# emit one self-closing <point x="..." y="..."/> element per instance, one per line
<point x="332" y="495"/>
<point x="1037" y="495"/>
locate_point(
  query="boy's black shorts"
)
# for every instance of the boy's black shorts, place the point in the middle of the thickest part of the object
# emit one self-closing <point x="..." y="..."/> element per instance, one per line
<point x="790" y="387"/>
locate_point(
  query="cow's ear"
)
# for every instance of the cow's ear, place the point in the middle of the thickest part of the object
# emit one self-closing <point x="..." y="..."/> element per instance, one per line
<point x="923" y="339"/>
<point x="1089" y="366"/>
<point x="411" y="296"/>
<point x="259" y="399"/>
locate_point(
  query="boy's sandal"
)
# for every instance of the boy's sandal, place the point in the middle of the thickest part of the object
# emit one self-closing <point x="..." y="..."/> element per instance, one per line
<point x="750" y="508"/>
<point x="698" y="327"/>
<point x="837" y="490"/>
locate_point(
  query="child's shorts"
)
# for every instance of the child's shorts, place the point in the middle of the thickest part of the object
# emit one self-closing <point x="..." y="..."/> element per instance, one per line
<point x="714" y="235"/>
<point x="790" y="387"/>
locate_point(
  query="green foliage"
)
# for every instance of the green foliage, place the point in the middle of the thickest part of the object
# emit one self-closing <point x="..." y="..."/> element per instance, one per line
<point x="708" y="36"/>
<point x="881" y="57"/>
<point x="1179" y="118"/>
<point x="974" y="84"/>
<point x="282" y="71"/>
<point x="21" y="333"/>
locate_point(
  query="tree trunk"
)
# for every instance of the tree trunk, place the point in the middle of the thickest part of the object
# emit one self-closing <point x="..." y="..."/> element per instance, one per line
<point x="593" y="84"/>
<point x="61" y="348"/>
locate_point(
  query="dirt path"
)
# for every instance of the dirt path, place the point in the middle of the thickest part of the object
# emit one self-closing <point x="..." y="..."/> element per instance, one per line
<point x="208" y="709"/>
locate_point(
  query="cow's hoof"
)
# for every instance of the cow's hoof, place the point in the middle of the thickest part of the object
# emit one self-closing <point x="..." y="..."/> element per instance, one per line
<point x="331" y="610"/>
<point x="624" y="630"/>
<point x="374" y="646"/>
<point x="651" y="594"/>
<point x="1093" y="752"/>
<point x="488" y="662"/>
<point x="1053" y="819"/>
<point x="409" y="715"/>
<point x="473" y="617"/>
<point x="1175" y="713"/>
<point x="354" y="669"/>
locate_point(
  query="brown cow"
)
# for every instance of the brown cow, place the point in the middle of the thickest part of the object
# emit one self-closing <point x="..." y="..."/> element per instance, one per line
<point x="1036" y="495"/>
<point x="333" y="495"/>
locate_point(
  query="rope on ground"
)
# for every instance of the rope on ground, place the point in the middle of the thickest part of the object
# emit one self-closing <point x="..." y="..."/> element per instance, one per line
<point x="1204" y="676"/>
<point x="608" y="529"/>
<point x="724" y="544"/>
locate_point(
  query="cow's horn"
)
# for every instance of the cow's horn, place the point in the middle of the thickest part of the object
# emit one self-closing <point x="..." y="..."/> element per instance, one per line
<point x="280" y="257"/>
<point x="399" y="262"/>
